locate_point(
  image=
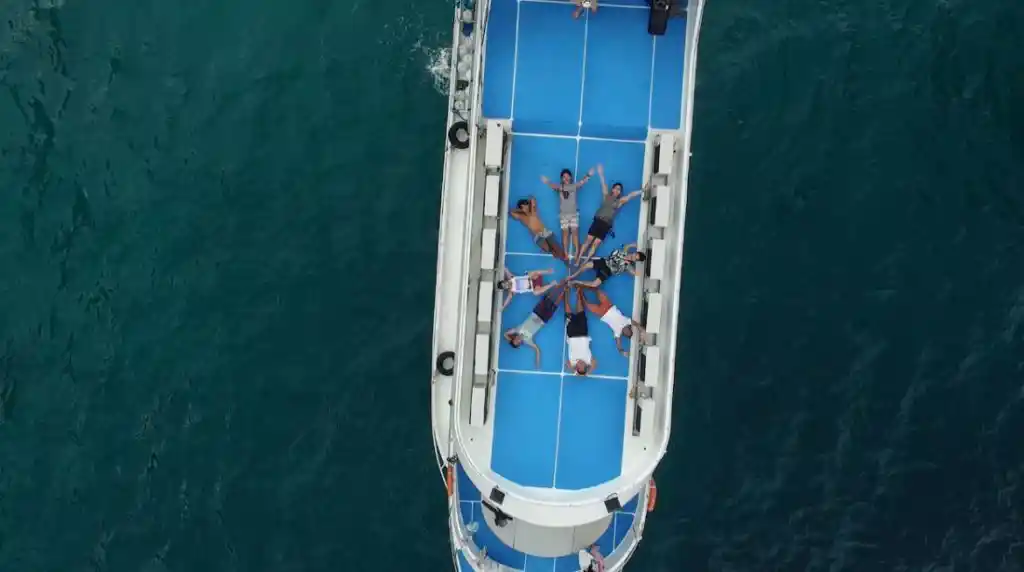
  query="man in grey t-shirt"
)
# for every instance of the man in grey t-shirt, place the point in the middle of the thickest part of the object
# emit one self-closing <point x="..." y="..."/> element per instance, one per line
<point x="568" y="211"/>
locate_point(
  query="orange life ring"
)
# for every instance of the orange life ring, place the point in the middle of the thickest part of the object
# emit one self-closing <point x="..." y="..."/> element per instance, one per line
<point x="450" y="480"/>
<point x="652" y="495"/>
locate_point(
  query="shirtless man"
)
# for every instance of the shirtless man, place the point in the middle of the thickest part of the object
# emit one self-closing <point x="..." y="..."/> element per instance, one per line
<point x="526" y="213"/>
<point x="622" y="327"/>
<point x="581" y="360"/>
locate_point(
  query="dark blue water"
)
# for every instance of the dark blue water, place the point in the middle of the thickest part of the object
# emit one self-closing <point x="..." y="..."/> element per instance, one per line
<point x="217" y="248"/>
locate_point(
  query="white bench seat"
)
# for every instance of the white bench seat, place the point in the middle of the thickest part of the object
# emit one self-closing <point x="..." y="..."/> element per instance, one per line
<point x="478" y="405"/>
<point x="653" y="324"/>
<point x="495" y="145"/>
<point x="661" y="205"/>
<point x="489" y="249"/>
<point x="666" y="154"/>
<point x="656" y="261"/>
<point x="652" y="363"/>
<point x="491" y="195"/>
<point x="485" y="305"/>
<point x="481" y="359"/>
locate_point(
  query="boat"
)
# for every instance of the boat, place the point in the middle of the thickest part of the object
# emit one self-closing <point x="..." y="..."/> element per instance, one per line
<point x="546" y="469"/>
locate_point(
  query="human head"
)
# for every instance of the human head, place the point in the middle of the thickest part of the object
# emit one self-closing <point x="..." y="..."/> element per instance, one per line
<point x="581" y="367"/>
<point x="504" y="284"/>
<point x="514" y="340"/>
<point x="566" y="176"/>
<point x="522" y="203"/>
<point x="636" y="257"/>
<point x="627" y="332"/>
<point x="617" y="189"/>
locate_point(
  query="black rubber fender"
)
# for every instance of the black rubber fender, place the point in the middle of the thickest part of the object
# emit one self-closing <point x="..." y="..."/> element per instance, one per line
<point x="458" y="135"/>
<point x="446" y="363"/>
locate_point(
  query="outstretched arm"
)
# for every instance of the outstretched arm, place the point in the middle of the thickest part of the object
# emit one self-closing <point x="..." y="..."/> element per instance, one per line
<point x="604" y="183"/>
<point x="547" y="181"/>
<point x="618" y="346"/>
<point x="536" y="351"/>
<point x="640" y="331"/>
<point x="630" y="197"/>
<point x="508" y="298"/>
<point x="541" y="272"/>
<point x="628" y="247"/>
<point x="586" y="177"/>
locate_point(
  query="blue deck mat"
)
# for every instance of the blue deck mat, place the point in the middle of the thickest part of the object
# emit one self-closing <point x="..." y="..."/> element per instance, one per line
<point x="590" y="437"/>
<point x="617" y="85"/>
<point x="500" y="65"/>
<point x="667" y="96"/>
<point x="526" y="426"/>
<point x="542" y="66"/>
<point x="549" y="70"/>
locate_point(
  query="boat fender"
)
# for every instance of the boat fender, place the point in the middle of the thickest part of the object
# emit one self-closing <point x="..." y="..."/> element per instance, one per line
<point x="652" y="496"/>
<point x="458" y="135"/>
<point x="446" y="363"/>
<point x="449" y="481"/>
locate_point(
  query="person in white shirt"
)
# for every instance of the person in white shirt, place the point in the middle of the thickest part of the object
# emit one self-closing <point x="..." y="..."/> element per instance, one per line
<point x="581" y="360"/>
<point x="622" y="327"/>
<point x="531" y="283"/>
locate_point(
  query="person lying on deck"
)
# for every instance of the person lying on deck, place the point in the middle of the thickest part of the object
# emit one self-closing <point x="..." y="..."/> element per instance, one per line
<point x="531" y="283"/>
<point x="582" y="5"/>
<point x="622" y="327"/>
<point x="619" y="261"/>
<point x="581" y="360"/>
<point x="542" y="312"/>
<point x="568" y="212"/>
<point x="526" y="212"/>
<point x="612" y="200"/>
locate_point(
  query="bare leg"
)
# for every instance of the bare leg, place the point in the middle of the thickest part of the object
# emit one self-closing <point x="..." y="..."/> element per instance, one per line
<point x="544" y="289"/>
<point x="593" y="247"/>
<point x="561" y="296"/>
<point x="586" y="246"/>
<point x="556" y="250"/>
<point x="565" y="237"/>
<point x="595" y="309"/>
<point x="575" y="232"/>
<point x="580" y="301"/>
